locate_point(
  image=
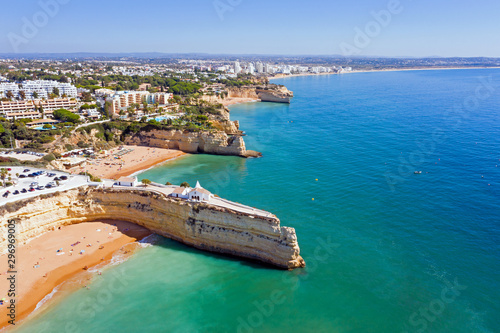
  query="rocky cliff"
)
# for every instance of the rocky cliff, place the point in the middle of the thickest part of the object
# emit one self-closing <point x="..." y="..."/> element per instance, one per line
<point x="267" y="93"/>
<point x="217" y="142"/>
<point x="200" y="225"/>
<point x="274" y="93"/>
<point x="225" y="140"/>
<point x="245" y="92"/>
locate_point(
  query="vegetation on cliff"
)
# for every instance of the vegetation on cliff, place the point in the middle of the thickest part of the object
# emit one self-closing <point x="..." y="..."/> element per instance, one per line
<point x="17" y="130"/>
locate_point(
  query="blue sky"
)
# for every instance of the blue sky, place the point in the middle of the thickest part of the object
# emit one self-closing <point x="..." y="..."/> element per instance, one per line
<point x="417" y="28"/>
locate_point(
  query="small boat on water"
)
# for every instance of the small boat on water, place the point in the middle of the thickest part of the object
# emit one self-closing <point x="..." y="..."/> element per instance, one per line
<point x="417" y="172"/>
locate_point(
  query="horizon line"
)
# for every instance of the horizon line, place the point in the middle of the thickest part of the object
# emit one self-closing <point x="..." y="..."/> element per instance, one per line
<point x="20" y="54"/>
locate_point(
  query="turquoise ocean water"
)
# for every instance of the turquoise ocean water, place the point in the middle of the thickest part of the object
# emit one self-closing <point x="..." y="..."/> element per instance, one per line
<point x="387" y="250"/>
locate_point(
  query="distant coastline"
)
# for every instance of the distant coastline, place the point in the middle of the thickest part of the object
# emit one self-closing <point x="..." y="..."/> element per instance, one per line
<point x="282" y="76"/>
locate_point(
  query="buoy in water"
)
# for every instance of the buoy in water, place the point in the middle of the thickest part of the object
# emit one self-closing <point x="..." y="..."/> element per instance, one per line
<point x="313" y="199"/>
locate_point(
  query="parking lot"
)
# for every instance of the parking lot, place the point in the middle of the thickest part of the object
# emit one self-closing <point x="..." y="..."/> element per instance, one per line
<point x="24" y="155"/>
<point x="41" y="181"/>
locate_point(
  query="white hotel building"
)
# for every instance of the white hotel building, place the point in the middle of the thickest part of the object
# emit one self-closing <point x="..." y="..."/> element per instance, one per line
<point x="45" y="87"/>
<point x="7" y="86"/>
<point x="124" y="99"/>
<point x="42" y="87"/>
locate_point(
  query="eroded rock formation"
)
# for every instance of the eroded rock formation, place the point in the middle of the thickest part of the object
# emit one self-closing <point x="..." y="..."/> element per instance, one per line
<point x="218" y="142"/>
<point x="200" y="225"/>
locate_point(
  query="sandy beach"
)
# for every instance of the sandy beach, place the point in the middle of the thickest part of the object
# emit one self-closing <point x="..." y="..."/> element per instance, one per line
<point x="283" y="76"/>
<point x="61" y="255"/>
<point x="135" y="159"/>
<point x="238" y="100"/>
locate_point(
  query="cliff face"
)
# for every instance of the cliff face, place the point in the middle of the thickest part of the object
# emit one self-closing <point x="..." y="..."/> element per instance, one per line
<point x="218" y="143"/>
<point x="276" y="94"/>
<point x="242" y="93"/>
<point x="269" y="93"/>
<point x="225" y="140"/>
<point x="200" y="225"/>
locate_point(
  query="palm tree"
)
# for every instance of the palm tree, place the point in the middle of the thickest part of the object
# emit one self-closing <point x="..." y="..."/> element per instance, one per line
<point x="9" y="94"/>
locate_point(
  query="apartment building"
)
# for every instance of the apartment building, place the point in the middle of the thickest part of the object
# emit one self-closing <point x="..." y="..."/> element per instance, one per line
<point x="50" y="105"/>
<point x="45" y="87"/>
<point x="124" y="99"/>
<point x="12" y="110"/>
<point x="8" y="86"/>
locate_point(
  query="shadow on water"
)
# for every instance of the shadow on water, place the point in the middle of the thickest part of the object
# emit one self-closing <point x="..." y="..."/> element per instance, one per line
<point x="174" y="245"/>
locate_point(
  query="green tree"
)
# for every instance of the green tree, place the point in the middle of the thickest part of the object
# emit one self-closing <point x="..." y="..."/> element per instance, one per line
<point x="146" y="182"/>
<point x="185" y="184"/>
<point x="86" y="96"/>
<point x="35" y="95"/>
<point x="66" y="116"/>
<point x="49" y="157"/>
<point x="55" y="91"/>
<point x="168" y="183"/>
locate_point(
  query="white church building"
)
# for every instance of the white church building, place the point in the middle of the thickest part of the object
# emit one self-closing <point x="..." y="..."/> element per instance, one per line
<point x="196" y="194"/>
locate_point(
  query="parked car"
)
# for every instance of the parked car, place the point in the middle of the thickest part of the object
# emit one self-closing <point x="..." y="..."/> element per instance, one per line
<point x="31" y="189"/>
<point x="41" y="187"/>
<point x="23" y="190"/>
<point x="57" y="178"/>
<point x="26" y="170"/>
<point x="22" y="176"/>
<point x="63" y="177"/>
<point x="34" y="184"/>
<point x="16" y="192"/>
<point x="6" y="194"/>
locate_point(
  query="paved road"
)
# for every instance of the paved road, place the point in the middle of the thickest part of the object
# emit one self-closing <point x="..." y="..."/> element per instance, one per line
<point x="88" y="124"/>
<point x="167" y="190"/>
<point x="75" y="181"/>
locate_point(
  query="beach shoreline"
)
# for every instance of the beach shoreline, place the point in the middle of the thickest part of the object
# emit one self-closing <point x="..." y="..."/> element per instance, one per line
<point x="238" y="100"/>
<point x="379" y="70"/>
<point x="140" y="158"/>
<point x="44" y="266"/>
<point x="138" y="172"/>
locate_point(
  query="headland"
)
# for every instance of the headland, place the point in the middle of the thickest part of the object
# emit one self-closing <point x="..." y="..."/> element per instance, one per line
<point x="50" y="220"/>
